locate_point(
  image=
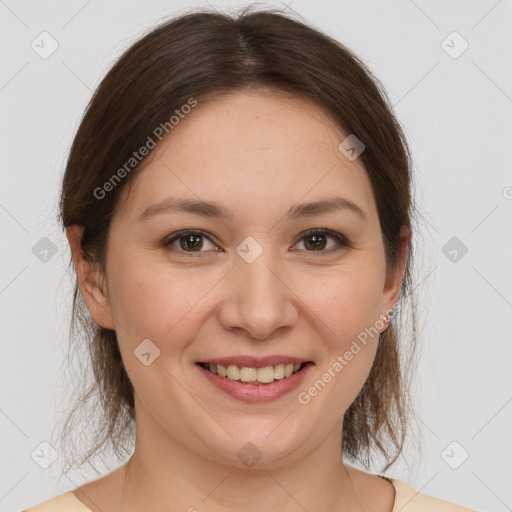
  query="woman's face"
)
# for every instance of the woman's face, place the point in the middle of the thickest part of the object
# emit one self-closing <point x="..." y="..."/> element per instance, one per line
<point x="251" y="283"/>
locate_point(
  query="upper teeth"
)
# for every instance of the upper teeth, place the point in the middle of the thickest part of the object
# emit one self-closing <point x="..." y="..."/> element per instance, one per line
<point x="245" y="374"/>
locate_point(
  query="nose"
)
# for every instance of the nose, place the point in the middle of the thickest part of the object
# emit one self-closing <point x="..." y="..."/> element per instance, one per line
<point x="258" y="298"/>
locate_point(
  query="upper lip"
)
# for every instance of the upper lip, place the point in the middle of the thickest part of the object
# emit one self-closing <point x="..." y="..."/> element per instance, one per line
<point x="254" y="362"/>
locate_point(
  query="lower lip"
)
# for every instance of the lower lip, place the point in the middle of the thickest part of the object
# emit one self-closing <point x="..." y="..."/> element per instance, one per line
<point x="256" y="393"/>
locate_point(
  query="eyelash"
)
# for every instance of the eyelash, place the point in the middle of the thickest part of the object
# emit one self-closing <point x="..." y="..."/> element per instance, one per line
<point x="343" y="241"/>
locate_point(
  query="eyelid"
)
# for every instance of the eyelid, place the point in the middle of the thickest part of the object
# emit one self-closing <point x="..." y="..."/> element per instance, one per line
<point x="168" y="241"/>
<point x="341" y="239"/>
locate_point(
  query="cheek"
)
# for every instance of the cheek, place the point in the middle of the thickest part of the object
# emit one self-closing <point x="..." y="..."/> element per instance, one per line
<point x="151" y="301"/>
<point x="346" y="300"/>
<point x="346" y="307"/>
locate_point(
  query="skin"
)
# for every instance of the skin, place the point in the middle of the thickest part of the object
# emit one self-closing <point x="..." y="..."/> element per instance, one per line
<point x="257" y="154"/>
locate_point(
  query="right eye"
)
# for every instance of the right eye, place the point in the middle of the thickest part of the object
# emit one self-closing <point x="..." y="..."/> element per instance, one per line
<point x="189" y="241"/>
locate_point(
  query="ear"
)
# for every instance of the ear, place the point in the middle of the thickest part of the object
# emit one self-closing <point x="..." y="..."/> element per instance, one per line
<point x="90" y="280"/>
<point x="393" y="283"/>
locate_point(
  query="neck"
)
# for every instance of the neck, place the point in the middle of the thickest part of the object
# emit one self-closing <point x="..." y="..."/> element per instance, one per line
<point x="163" y="470"/>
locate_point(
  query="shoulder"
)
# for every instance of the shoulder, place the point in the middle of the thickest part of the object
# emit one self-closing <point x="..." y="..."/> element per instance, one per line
<point x="408" y="499"/>
<point x="66" y="502"/>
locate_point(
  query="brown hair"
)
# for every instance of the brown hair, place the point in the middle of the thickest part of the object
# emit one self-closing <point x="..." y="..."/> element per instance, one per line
<point x="203" y="53"/>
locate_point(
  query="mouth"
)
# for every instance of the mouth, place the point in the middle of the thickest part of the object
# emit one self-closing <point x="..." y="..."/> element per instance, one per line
<point x="255" y="376"/>
<point x="262" y="382"/>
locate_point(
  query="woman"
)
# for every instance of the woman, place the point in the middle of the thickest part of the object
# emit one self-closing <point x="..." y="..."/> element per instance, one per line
<point x="238" y="206"/>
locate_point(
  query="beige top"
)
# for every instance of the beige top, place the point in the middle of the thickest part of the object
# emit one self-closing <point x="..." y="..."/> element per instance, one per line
<point x="406" y="500"/>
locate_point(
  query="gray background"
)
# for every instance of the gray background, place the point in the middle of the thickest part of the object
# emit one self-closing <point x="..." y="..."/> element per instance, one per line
<point x="457" y="114"/>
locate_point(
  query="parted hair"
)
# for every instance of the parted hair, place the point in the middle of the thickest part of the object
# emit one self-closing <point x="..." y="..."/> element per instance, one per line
<point x="203" y="53"/>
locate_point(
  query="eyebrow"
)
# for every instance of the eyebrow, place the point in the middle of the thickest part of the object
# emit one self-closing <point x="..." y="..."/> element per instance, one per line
<point x="212" y="209"/>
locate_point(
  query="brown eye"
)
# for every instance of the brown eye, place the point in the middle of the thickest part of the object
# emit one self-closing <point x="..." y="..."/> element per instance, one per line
<point x="315" y="242"/>
<point x="193" y="242"/>
<point x="189" y="242"/>
<point x="318" y="240"/>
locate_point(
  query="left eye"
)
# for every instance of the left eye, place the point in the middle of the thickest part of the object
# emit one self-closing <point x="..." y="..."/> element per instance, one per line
<point x="315" y="240"/>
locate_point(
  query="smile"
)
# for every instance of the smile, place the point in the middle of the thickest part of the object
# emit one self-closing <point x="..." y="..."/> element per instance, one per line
<point x="258" y="384"/>
<point x="255" y="376"/>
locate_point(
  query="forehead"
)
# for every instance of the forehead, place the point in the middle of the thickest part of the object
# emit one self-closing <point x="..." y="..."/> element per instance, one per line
<point x="252" y="148"/>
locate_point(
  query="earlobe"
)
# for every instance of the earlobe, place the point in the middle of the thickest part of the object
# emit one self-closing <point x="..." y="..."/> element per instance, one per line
<point x="91" y="281"/>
